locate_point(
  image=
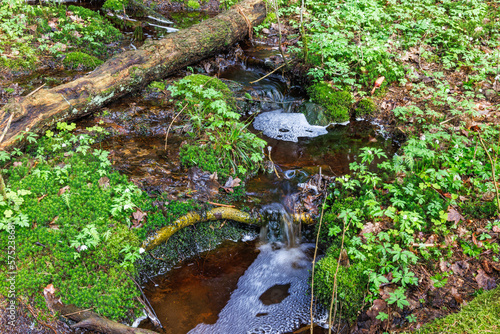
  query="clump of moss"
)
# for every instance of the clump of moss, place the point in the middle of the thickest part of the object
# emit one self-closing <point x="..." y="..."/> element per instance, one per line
<point x="193" y="4"/>
<point x="351" y="284"/>
<point x="481" y="315"/>
<point x="337" y="103"/>
<point x="80" y="59"/>
<point x="115" y="4"/>
<point x="366" y="107"/>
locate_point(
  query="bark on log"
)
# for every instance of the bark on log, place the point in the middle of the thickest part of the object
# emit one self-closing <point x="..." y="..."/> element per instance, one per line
<point x="163" y="234"/>
<point x="129" y="71"/>
<point x="88" y="319"/>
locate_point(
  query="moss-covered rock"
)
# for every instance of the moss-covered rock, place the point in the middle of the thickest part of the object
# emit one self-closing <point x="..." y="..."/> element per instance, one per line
<point x="366" y="107"/>
<point x="337" y="103"/>
<point x="351" y="284"/>
<point x="82" y="60"/>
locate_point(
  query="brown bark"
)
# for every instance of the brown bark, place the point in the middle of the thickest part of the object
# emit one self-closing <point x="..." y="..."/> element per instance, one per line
<point x="86" y="318"/>
<point x="129" y="71"/>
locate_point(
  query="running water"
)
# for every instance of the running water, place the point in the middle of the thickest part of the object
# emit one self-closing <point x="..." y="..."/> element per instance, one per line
<point x="272" y="296"/>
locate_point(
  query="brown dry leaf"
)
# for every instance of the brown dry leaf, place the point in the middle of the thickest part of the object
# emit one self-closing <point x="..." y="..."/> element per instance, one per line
<point x="443" y="265"/>
<point x="496" y="229"/>
<point x="454" y="215"/>
<point x="457" y="296"/>
<point x="53" y="225"/>
<point x="68" y="154"/>
<point x="450" y="240"/>
<point x="139" y="215"/>
<point x="230" y="183"/>
<point x="463" y="198"/>
<point x="476" y="242"/>
<point x="104" y="182"/>
<point x="17" y="164"/>
<point x="63" y="190"/>
<point x="484" y="281"/>
<point x="487" y="266"/>
<point x="378" y="306"/>
<point x="460" y="267"/>
<point x="41" y="197"/>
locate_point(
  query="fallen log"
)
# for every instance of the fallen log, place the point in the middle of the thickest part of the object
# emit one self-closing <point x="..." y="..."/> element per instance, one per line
<point x="86" y="318"/>
<point x="128" y="72"/>
<point x="191" y="218"/>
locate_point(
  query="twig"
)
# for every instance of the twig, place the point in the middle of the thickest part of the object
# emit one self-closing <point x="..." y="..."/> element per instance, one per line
<point x="88" y="309"/>
<point x="331" y="320"/>
<point x="223" y="205"/>
<point x="492" y="171"/>
<point x="172" y="122"/>
<point x="40" y="321"/>
<point x="2" y="182"/>
<point x="314" y="260"/>
<point x="36" y="90"/>
<point x="268" y="74"/>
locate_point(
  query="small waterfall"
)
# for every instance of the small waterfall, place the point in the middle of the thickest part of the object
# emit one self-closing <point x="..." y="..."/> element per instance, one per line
<point x="280" y="226"/>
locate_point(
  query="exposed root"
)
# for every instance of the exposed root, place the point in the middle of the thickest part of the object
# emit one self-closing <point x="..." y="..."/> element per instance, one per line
<point x="192" y="218"/>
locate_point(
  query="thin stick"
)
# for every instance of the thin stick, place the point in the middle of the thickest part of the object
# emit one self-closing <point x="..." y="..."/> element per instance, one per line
<point x="36" y="90"/>
<point x="88" y="309"/>
<point x="6" y="127"/>
<point x="492" y="171"/>
<point x="334" y="293"/>
<point x="173" y="120"/>
<point x="268" y="74"/>
<point x="2" y="182"/>
<point x="223" y="205"/>
<point x="276" y="11"/>
<point x="314" y="261"/>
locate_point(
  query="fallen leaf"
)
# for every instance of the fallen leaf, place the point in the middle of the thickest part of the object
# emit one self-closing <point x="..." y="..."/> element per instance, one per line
<point x="443" y="265"/>
<point x="487" y="266"/>
<point x="378" y="306"/>
<point x="139" y="215"/>
<point x="63" y="190"/>
<point x="460" y="267"/>
<point x="17" y="164"/>
<point x="53" y="225"/>
<point x="104" y="182"/>
<point x="484" y="281"/>
<point x="454" y="215"/>
<point x="41" y="197"/>
<point x="476" y="242"/>
<point x="457" y="296"/>
<point x="230" y="183"/>
<point x="496" y="229"/>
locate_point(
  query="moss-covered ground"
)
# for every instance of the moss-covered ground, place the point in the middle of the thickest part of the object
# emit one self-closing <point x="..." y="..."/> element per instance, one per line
<point x="32" y="34"/>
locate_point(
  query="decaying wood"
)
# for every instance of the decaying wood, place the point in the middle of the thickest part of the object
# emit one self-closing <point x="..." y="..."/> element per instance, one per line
<point x="86" y="318"/>
<point x="128" y="72"/>
<point x="191" y="218"/>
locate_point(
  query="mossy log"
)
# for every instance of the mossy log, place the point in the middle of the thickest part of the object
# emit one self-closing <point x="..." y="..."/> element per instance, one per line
<point x="128" y="72"/>
<point x="162" y="235"/>
<point x="88" y="319"/>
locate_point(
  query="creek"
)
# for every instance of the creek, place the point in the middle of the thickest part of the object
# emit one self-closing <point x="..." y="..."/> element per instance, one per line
<point x="251" y="286"/>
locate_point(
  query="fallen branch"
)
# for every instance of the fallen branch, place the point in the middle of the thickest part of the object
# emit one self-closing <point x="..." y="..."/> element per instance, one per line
<point x="128" y="72"/>
<point x="191" y="218"/>
<point x="87" y="319"/>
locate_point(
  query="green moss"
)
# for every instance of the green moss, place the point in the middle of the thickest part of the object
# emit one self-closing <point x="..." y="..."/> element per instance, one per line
<point x="337" y="103"/>
<point x="351" y="284"/>
<point x="481" y="315"/>
<point x="76" y="59"/>
<point x="366" y="107"/>
<point x="115" y="4"/>
<point x="193" y="4"/>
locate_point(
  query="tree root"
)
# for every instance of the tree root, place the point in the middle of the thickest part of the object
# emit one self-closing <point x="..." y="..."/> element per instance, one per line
<point x="87" y="319"/>
<point x="192" y="218"/>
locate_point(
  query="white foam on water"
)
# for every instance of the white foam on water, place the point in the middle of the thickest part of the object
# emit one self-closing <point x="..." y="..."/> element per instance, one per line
<point x="245" y="313"/>
<point x="286" y="126"/>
